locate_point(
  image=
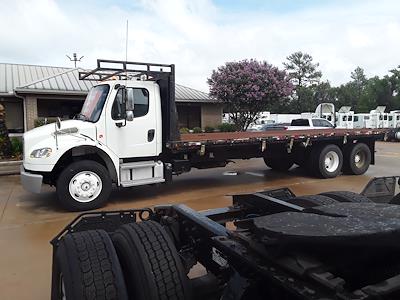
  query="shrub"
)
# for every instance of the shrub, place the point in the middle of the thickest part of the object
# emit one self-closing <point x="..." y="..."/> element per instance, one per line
<point x="197" y="130"/>
<point x="184" y="130"/>
<point x="227" y="127"/>
<point x="43" y="121"/>
<point x="209" y="129"/>
<point x="16" y="146"/>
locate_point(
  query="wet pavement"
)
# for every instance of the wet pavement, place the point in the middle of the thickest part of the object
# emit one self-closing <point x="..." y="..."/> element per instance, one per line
<point x="28" y="222"/>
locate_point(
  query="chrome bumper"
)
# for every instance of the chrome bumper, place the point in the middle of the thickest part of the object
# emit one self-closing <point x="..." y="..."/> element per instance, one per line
<point x="31" y="182"/>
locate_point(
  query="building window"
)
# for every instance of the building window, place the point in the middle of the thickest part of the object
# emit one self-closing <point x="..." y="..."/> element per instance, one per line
<point x="189" y="115"/>
<point x="14" y="114"/>
<point x="65" y="109"/>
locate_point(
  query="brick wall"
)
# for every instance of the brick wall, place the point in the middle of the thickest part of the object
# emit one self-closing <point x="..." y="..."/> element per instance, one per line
<point x="31" y="112"/>
<point x="211" y="114"/>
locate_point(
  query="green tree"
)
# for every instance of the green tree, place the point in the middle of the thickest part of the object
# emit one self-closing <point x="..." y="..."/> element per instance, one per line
<point x="358" y="84"/>
<point x="305" y="76"/>
<point x="247" y="88"/>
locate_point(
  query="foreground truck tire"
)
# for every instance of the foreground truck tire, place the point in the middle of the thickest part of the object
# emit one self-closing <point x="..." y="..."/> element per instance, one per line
<point x="150" y="263"/>
<point x="326" y="161"/>
<point x="83" y="185"/>
<point x="87" y="267"/>
<point x="357" y="159"/>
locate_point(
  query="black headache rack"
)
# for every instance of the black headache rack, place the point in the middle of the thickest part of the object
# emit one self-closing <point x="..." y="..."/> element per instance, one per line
<point x="163" y="74"/>
<point x="280" y="247"/>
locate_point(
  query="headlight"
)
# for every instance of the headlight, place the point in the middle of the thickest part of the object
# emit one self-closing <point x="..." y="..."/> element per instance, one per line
<point x="39" y="153"/>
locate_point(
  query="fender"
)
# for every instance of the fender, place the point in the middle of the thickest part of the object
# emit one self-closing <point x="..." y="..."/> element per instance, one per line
<point x="109" y="159"/>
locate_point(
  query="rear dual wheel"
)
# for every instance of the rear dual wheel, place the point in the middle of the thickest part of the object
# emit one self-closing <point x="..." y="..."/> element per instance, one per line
<point x="357" y="159"/>
<point x="325" y="161"/>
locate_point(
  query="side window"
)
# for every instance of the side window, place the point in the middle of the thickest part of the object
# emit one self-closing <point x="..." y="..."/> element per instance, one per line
<point x="141" y="97"/>
<point x="355" y="118"/>
<point x="326" y="124"/>
<point x="141" y="103"/>
<point x="316" y="123"/>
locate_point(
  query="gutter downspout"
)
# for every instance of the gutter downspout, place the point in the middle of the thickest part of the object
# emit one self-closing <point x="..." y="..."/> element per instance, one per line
<point x="24" y="107"/>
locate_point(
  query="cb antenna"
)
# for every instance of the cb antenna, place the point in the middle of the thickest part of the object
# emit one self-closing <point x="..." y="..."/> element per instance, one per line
<point x="75" y="58"/>
<point x="126" y="49"/>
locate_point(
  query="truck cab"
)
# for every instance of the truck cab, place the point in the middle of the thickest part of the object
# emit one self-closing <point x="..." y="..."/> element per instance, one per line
<point x="115" y="139"/>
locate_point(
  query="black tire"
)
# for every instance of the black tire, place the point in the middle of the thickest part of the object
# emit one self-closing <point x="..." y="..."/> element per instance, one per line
<point x="87" y="265"/>
<point x="67" y="175"/>
<point x="357" y="159"/>
<point x="344" y="196"/>
<point x="313" y="200"/>
<point x="279" y="164"/>
<point x="316" y="161"/>
<point x="150" y="263"/>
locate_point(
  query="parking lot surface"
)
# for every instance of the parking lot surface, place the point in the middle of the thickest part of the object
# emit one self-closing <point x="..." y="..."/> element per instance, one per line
<point x="28" y="222"/>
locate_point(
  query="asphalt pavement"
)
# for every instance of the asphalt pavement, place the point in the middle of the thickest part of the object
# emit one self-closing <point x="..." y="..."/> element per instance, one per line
<point x="28" y="222"/>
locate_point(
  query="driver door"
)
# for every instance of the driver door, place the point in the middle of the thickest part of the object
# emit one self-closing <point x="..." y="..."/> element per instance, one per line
<point x="136" y="138"/>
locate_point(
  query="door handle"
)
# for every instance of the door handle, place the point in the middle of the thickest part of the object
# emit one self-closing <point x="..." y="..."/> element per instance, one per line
<point x="150" y="135"/>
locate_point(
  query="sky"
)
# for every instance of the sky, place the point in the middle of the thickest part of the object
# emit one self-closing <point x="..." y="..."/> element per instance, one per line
<point x="200" y="35"/>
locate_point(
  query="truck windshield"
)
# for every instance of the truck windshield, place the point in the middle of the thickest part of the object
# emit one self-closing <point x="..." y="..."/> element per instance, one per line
<point x="94" y="103"/>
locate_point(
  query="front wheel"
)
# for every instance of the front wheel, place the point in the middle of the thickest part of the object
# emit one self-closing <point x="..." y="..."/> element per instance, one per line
<point x="83" y="185"/>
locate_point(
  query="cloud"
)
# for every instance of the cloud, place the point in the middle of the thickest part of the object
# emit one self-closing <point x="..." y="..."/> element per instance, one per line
<point x="199" y="35"/>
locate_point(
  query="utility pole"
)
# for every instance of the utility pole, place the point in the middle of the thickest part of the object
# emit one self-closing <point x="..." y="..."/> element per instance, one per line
<point x="75" y="58"/>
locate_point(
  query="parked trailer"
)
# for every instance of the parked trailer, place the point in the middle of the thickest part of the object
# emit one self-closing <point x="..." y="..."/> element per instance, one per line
<point x="266" y="245"/>
<point x="127" y="135"/>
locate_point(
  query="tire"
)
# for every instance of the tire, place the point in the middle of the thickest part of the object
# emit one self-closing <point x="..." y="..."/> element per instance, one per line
<point x="357" y="159"/>
<point x="150" y="263"/>
<point x="344" y="196"/>
<point x="87" y="267"/>
<point x="325" y="161"/>
<point x="77" y="177"/>
<point x="279" y="164"/>
<point x="313" y="200"/>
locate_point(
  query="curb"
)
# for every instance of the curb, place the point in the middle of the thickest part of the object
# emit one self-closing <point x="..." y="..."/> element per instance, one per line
<point x="11" y="167"/>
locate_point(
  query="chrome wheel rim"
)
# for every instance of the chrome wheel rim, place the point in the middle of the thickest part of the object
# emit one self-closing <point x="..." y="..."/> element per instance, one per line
<point x="359" y="159"/>
<point x="85" y="186"/>
<point x="331" y="161"/>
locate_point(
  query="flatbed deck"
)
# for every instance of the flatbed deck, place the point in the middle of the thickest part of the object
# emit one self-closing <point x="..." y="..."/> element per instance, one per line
<point x="220" y="138"/>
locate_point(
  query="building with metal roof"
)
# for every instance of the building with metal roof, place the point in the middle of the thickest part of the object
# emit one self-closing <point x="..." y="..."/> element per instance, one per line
<point x="31" y="92"/>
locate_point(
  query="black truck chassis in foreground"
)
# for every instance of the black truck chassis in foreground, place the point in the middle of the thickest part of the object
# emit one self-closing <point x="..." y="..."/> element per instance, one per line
<point x="267" y="245"/>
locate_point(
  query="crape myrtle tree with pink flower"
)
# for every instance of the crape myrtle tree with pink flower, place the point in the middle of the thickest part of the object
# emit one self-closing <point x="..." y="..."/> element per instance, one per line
<point x="249" y="87"/>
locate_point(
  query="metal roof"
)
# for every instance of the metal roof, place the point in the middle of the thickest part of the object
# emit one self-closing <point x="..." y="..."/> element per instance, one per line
<point x="56" y="80"/>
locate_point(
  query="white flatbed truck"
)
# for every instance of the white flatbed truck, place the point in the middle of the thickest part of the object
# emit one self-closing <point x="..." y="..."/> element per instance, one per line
<point x="127" y="135"/>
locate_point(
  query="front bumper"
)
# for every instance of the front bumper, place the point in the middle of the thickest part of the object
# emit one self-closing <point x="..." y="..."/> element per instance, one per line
<point x="31" y="182"/>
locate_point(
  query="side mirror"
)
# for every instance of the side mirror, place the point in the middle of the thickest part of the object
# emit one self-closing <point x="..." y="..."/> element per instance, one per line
<point x="129" y="115"/>
<point x="129" y="104"/>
